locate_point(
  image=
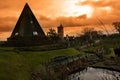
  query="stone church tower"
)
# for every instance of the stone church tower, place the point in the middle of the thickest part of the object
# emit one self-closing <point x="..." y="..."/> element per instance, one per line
<point x="60" y="32"/>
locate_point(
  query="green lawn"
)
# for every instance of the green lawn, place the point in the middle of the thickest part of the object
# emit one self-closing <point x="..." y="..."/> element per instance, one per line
<point x="13" y="67"/>
<point x="17" y="66"/>
<point x="111" y="54"/>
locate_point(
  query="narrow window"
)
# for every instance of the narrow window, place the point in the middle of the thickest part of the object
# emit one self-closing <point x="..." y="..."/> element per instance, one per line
<point x="16" y="34"/>
<point x="31" y="22"/>
<point x="35" y="33"/>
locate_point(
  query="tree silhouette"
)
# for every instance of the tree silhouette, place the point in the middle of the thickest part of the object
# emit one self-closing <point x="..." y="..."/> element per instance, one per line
<point x="52" y="35"/>
<point x="117" y="26"/>
<point x="91" y="34"/>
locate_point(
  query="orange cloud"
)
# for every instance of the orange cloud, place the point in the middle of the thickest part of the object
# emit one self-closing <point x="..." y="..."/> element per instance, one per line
<point x="51" y="13"/>
<point x="7" y="23"/>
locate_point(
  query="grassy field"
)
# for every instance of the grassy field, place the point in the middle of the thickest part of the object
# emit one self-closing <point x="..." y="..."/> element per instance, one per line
<point x="18" y="66"/>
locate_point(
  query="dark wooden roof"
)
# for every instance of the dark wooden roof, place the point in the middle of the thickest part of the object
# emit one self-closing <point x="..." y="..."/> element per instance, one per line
<point x="27" y="25"/>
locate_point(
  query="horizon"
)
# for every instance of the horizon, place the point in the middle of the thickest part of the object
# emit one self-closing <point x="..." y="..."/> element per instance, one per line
<point x="70" y="13"/>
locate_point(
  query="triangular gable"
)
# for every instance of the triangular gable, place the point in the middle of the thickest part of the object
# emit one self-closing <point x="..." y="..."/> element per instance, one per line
<point x="27" y="24"/>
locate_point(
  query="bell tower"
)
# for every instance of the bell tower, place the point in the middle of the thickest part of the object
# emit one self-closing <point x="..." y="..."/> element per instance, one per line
<point x="60" y="31"/>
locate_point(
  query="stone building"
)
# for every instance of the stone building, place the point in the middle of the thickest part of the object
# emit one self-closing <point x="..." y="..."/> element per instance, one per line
<point x="60" y="32"/>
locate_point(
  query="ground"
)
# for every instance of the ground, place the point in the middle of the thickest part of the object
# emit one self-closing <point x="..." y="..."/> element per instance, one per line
<point x="20" y="63"/>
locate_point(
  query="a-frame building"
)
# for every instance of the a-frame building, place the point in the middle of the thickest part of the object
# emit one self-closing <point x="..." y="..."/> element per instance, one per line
<point x="27" y="31"/>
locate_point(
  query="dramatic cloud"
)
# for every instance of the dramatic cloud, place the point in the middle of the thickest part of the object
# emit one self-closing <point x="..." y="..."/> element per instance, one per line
<point x="7" y="23"/>
<point x="107" y="9"/>
<point x="66" y="21"/>
<point x="51" y="13"/>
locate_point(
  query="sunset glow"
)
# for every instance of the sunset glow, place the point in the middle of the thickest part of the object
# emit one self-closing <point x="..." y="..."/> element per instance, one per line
<point x="51" y="13"/>
<point x="72" y="9"/>
<point x="79" y="10"/>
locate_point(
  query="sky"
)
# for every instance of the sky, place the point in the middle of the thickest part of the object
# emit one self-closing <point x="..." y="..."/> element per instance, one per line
<point x="51" y="13"/>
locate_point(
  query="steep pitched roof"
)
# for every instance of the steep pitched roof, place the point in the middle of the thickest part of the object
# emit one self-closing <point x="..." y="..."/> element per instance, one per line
<point x="27" y="24"/>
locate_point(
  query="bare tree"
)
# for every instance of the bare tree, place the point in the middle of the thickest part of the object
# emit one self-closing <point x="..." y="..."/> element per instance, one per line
<point x="103" y="26"/>
<point x="91" y="34"/>
<point x="117" y="26"/>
